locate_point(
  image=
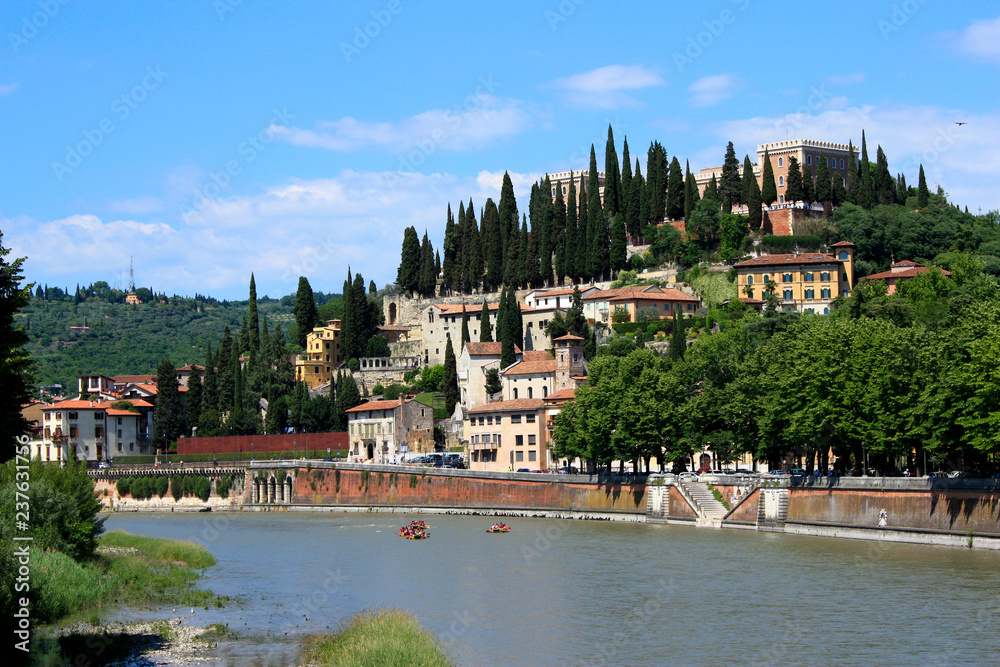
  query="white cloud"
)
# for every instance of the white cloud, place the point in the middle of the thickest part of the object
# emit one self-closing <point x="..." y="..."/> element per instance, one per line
<point x="981" y="39"/>
<point x="710" y="90"/>
<point x="6" y="89"/>
<point x="315" y="228"/>
<point x="603" y="87"/>
<point x="962" y="159"/>
<point x="481" y="120"/>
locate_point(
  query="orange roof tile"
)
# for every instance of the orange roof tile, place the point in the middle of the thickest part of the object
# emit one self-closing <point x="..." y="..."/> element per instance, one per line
<point x="74" y="405"/>
<point x="789" y="260"/>
<point x="376" y="405"/>
<point x="531" y="368"/>
<point x="561" y="395"/>
<point x="569" y="337"/>
<point x="133" y="379"/>
<point x="668" y="294"/>
<point x="536" y="355"/>
<point x="911" y="272"/>
<point x="508" y="406"/>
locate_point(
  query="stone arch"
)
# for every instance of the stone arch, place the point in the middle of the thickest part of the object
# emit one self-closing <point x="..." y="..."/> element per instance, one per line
<point x="287" y="490"/>
<point x="271" y="488"/>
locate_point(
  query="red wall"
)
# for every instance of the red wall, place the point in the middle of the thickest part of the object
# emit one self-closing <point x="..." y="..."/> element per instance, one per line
<point x="284" y="442"/>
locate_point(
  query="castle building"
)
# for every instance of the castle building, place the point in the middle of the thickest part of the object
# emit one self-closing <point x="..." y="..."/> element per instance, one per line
<point x="804" y="282"/>
<point x="322" y="356"/>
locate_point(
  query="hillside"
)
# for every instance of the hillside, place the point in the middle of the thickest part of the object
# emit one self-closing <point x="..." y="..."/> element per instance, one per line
<point x="130" y="339"/>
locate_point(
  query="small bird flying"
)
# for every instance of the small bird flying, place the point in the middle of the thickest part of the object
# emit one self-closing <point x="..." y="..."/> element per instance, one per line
<point x="958" y="123"/>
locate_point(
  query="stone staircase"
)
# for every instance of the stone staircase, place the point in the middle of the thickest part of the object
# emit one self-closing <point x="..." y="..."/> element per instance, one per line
<point x="708" y="507"/>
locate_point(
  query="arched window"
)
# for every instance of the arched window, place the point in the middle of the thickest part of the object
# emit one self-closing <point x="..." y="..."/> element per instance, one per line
<point x="781" y="180"/>
<point x="842" y="256"/>
<point x="781" y="163"/>
<point x="515" y="392"/>
<point x="786" y="277"/>
<point x="750" y="280"/>
<point x="531" y="393"/>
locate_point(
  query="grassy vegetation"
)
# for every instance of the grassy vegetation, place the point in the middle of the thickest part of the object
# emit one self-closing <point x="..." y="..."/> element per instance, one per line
<point x="128" y="569"/>
<point x="381" y="638"/>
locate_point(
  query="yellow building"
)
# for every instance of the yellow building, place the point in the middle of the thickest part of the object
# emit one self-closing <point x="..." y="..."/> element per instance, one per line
<point x="803" y="282"/>
<point x="322" y="356"/>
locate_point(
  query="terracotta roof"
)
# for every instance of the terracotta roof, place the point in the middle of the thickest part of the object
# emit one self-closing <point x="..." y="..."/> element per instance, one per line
<point x="569" y="337"/>
<point x="485" y="349"/>
<point x="134" y="379"/>
<point x="191" y="368"/>
<point x="510" y="406"/>
<point x="843" y="244"/>
<point x="138" y="402"/>
<point x="74" y="405"/>
<point x="752" y="302"/>
<point x="376" y="405"/>
<point x="456" y="309"/>
<point x="911" y="272"/>
<point x="907" y="262"/>
<point x="151" y="388"/>
<point x="115" y="412"/>
<point x="531" y="367"/>
<point x="789" y="260"/>
<point x="561" y="395"/>
<point x="536" y="355"/>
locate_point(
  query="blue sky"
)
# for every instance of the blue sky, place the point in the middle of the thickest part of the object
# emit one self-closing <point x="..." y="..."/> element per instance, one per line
<point x="210" y="139"/>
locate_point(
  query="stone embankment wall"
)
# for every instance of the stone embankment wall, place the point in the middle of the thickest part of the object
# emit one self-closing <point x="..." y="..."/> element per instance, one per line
<point x="107" y="493"/>
<point x="393" y="486"/>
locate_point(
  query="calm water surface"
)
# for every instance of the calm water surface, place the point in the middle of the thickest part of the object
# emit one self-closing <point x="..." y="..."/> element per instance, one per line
<point x="555" y="592"/>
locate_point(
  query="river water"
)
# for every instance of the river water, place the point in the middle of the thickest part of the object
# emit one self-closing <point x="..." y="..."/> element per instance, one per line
<point x="561" y="592"/>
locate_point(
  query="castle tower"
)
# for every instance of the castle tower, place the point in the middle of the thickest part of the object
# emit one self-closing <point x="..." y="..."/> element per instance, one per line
<point x="569" y="361"/>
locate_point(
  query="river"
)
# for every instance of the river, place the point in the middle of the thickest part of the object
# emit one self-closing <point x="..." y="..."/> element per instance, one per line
<point x="562" y="592"/>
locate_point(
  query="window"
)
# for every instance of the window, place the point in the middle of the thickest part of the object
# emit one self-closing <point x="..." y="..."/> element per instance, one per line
<point x="841" y="164"/>
<point x="531" y="439"/>
<point x="519" y="456"/>
<point x="826" y="161"/>
<point x="119" y="446"/>
<point x="809" y="160"/>
<point x="787" y="294"/>
<point x="97" y="416"/>
<point x="532" y="455"/>
<point x="564" y="189"/>
<point x="781" y="181"/>
<point x="131" y="446"/>
<point x="786" y="277"/>
<point x="845" y="277"/>
<point x="781" y="198"/>
<point x="486" y="437"/>
<point x="71" y="415"/>
<point x="781" y="162"/>
<point x="515" y="419"/>
<point x="767" y="277"/>
<point x="824" y="293"/>
<point x="842" y="256"/>
<point x="553" y="192"/>
<point x="808" y="276"/>
<point x="530" y="418"/>
<point x="545" y="392"/>
<point x="515" y="392"/>
<point x="499" y="419"/>
<point x="530" y="395"/>
<point x="98" y="431"/>
<point x="825" y="276"/>
<point x="72" y="431"/>
<point x="810" y="293"/>
<point x="489" y="420"/>
<point x="518" y="440"/>
<point x="826" y="311"/>
<point x="119" y="435"/>
<point x="749" y="280"/>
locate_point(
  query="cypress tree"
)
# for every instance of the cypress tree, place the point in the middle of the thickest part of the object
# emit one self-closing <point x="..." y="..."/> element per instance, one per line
<point x="746" y="179"/>
<point x="494" y="246"/>
<point x="900" y="189"/>
<point x="729" y="184"/>
<point x="625" y="191"/>
<point x="595" y="221"/>
<point x="349" y="334"/>
<point x="514" y="321"/>
<point x="824" y="185"/>
<point x="807" y="185"/>
<point x="558" y="232"/>
<point x="768" y="190"/>
<point x="474" y="256"/>
<point x="633" y="213"/>
<point x="225" y="380"/>
<point x="304" y="310"/>
<point x="619" y="243"/>
<point x="465" y="327"/>
<point x="691" y="195"/>
<point x="712" y="189"/>
<point x="485" y="328"/>
<point x="675" y="191"/>
<point x="512" y="258"/>
<point x="452" y="241"/>
<point x="529" y="256"/>
<point x="408" y="274"/>
<point x="885" y="187"/>
<point x="509" y="218"/>
<point x="678" y="341"/>
<point x="571" y="230"/>
<point x="451" y="392"/>
<point x="793" y="186"/>
<point x="839" y="191"/>
<point x="866" y="186"/>
<point x="656" y="184"/>
<point x="612" y="194"/>
<point x="168" y="420"/>
<point x="209" y="389"/>
<point x="253" y="320"/>
<point x="582" y="234"/>
<point x="540" y="243"/>
<point x="427" y="278"/>
<point x="923" y="194"/>
<point x="754" y="202"/>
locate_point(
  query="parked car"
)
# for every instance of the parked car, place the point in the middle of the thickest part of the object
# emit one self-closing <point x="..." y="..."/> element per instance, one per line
<point x="104" y="464"/>
<point x="701" y="471"/>
<point x="458" y="464"/>
<point x="797" y="471"/>
<point x="525" y="470"/>
<point x="938" y="474"/>
<point x="688" y="477"/>
<point x="568" y="470"/>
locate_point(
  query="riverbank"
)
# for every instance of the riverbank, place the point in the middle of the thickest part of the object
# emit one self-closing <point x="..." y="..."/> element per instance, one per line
<point x="382" y="638"/>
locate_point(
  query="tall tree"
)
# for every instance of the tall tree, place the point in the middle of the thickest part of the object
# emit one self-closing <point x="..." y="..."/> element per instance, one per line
<point x="485" y="328"/>
<point x="583" y="233"/>
<point x="612" y="179"/>
<point x="515" y="324"/>
<point x="452" y="242"/>
<point x="168" y="419"/>
<point x="675" y="190"/>
<point x="923" y="194"/>
<point x="866" y="189"/>
<point x="746" y="179"/>
<point x="754" y="205"/>
<point x="408" y="274"/>
<point x="768" y="189"/>
<point x="509" y="219"/>
<point x="808" y="184"/>
<point x="678" y="340"/>
<point x="474" y="254"/>
<point x="427" y="277"/>
<point x="493" y="241"/>
<point x="192" y="399"/>
<point x="619" y="244"/>
<point x="253" y="320"/>
<point x="625" y="193"/>
<point x="712" y="189"/>
<point x="885" y="187"/>
<point x="691" y="194"/>
<point x="15" y="363"/>
<point x="793" y="186"/>
<point x="656" y="184"/>
<point x="729" y="184"/>
<point x="451" y="391"/>
<point x="305" y="310"/>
